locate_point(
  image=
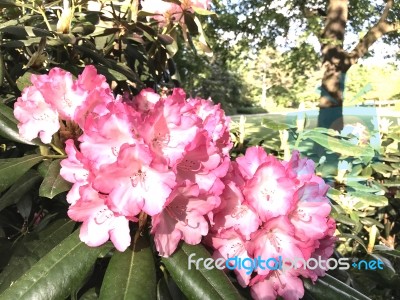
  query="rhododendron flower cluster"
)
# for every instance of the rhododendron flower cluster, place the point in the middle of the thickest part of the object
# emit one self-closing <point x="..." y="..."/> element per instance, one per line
<point x="164" y="156"/>
<point x="271" y="209"/>
<point x="168" y="157"/>
<point x="165" y="12"/>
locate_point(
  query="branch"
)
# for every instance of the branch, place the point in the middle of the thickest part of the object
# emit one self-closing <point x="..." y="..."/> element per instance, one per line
<point x="385" y="13"/>
<point x="375" y="33"/>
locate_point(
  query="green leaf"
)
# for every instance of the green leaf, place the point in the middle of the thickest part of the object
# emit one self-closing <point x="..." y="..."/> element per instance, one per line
<point x="329" y="288"/>
<point x="24" y="81"/>
<point x="343" y="219"/>
<point x="370" y="221"/>
<point x="165" y="39"/>
<point x="53" y="184"/>
<point x="369" y="199"/>
<point x="386" y="250"/>
<point x="8" y="126"/>
<point x="57" y="274"/>
<point x="334" y="194"/>
<point x="21" y="32"/>
<point x="361" y="187"/>
<point x="8" y="3"/>
<point x="12" y="170"/>
<point x="383" y="169"/>
<point x="162" y="290"/>
<point x="129" y="270"/>
<point x="33" y="247"/>
<point x="111" y="74"/>
<point x="354" y="237"/>
<point x="22" y="186"/>
<point x="268" y="123"/>
<point x="199" y="284"/>
<point x="202" y="11"/>
<point x="339" y="146"/>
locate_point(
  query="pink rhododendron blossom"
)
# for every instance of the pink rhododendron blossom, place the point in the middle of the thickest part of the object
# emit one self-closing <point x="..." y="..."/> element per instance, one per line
<point x="104" y="135"/>
<point x="100" y="223"/>
<point x="183" y="217"/>
<point x="60" y="91"/>
<point x="74" y="169"/>
<point x="275" y="239"/>
<point x="285" y="284"/>
<point x="35" y="116"/>
<point x="134" y="184"/>
<point x="229" y="244"/>
<point x="249" y="163"/>
<point x="270" y="191"/>
<point x="235" y="213"/>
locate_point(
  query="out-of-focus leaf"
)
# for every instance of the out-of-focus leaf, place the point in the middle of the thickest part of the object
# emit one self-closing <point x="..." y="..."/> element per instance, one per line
<point x="24" y="81"/>
<point x="21" y="32"/>
<point x="333" y="194"/>
<point x="191" y="24"/>
<point x="387" y="250"/>
<point x="369" y="222"/>
<point x="53" y="184"/>
<point x="344" y="219"/>
<point x="129" y="270"/>
<point x="28" y="251"/>
<point x="103" y="31"/>
<point x="202" y="11"/>
<point x="111" y="74"/>
<point x="387" y="272"/>
<point x="354" y="237"/>
<point x="199" y="284"/>
<point x="22" y="186"/>
<point x="58" y="273"/>
<point x="13" y="169"/>
<point x="339" y="146"/>
<point x="370" y="199"/>
<point x="89" y="295"/>
<point x="8" y="3"/>
<point x="165" y="39"/>
<point x="83" y="28"/>
<point x="329" y="288"/>
<point x="361" y="187"/>
<point x="383" y="169"/>
<point x="162" y="290"/>
<point x="367" y="171"/>
<point x="267" y="123"/>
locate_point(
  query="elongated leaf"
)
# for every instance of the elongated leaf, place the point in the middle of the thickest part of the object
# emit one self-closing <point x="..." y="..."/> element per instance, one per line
<point x="13" y="169"/>
<point x="53" y="184"/>
<point x="339" y="146"/>
<point x="58" y="273"/>
<point x="20" y="188"/>
<point x="354" y="237"/>
<point x="202" y="11"/>
<point x="387" y="250"/>
<point x="29" y="250"/>
<point x="7" y="3"/>
<point x="383" y="169"/>
<point x="369" y="199"/>
<point x="129" y="270"/>
<point x="24" y="31"/>
<point x="8" y="126"/>
<point x="199" y="284"/>
<point x="329" y="288"/>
